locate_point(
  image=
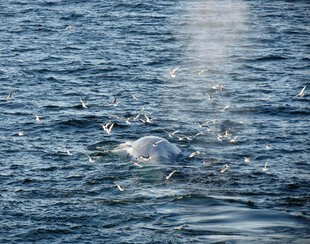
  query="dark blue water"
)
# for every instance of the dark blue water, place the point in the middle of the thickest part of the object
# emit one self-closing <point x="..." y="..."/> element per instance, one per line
<point x="251" y="57"/>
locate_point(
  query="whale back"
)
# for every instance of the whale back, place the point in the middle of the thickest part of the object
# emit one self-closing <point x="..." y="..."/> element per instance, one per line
<point x="155" y="149"/>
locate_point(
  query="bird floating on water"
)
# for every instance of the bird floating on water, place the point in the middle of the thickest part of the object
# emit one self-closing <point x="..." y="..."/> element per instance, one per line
<point x="219" y="137"/>
<point x="144" y="158"/>
<point x="202" y="124"/>
<point x="266" y="98"/>
<point x="133" y="96"/>
<point x="218" y="87"/>
<point x="268" y="146"/>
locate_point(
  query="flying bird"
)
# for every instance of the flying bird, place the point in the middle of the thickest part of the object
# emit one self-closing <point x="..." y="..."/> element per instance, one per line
<point x="169" y="176"/>
<point x="265" y="168"/>
<point x="69" y="27"/>
<point x="226" y="166"/>
<point x="301" y="93"/>
<point x="83" y="104"/>
<point x="200" y="72"/>
<point x="113" y="103"/>
<point x="136" y="163"/>
<point x="209" y="96"/>
<point x="156" y="143"/>
<point x="194" y="154"/>
<point x="10" y="95"/>
<point x="67" y="151"/>
<point x="172" y="72"/>
<point x="107" y="127"/>
<point x="37" y="118"/>
<point x="148" y="120"/>
<point x="225" y="108"/>
<point x="118" y="186"/>
<point x="171" y="134"/>
<point x="247" y="160"/>
<point x="233" y="139"/>
<point x="89" y="157"/>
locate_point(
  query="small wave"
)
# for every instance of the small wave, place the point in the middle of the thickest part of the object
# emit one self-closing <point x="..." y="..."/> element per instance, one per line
<point x="271" y="58"/>
<point x="78" y="123"/>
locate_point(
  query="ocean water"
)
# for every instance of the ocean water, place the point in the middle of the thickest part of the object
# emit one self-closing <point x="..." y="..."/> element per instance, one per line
<point x="240" y="66"/>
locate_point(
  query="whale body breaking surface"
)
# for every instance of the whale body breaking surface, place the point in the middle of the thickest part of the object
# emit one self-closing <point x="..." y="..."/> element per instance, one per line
<point x="153" y="149"/>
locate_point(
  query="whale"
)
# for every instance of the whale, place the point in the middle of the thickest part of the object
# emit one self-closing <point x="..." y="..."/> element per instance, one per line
<point x="150" y="150"/>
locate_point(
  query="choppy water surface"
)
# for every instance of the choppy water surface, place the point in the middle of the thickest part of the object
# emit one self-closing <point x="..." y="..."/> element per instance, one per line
<point x="241" y="65"/>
